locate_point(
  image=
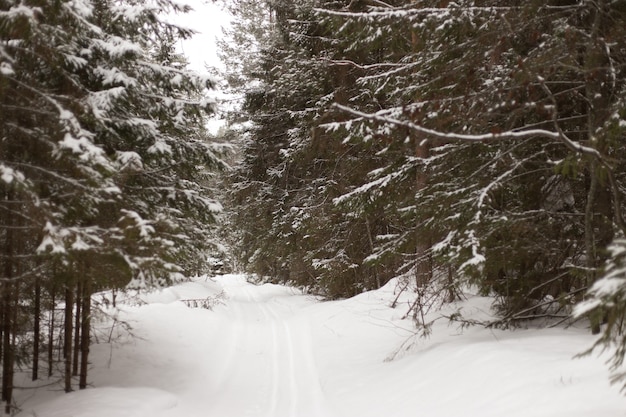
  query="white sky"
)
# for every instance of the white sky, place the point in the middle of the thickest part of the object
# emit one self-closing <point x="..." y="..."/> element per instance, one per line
<point x="207" y="18"/>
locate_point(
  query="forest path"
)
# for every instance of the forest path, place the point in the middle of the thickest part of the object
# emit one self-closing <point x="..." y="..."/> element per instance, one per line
<point x="268" y="366"/>
<point x="270" y="351"/>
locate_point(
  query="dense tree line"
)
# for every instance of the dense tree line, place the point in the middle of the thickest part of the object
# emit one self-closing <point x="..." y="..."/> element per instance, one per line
<point x="443" y="143"/>
<point x="103" y="170"/>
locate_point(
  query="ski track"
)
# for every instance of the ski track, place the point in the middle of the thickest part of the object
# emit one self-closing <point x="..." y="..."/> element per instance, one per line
<point x="269" y="367"/>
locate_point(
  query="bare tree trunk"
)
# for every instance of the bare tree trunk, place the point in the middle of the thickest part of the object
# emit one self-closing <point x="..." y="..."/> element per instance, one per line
<point x="4" y="342"/>
<point x="423" y="270"/>
<point x="13" y="345"/>
<point x="590" y="249"/>
<point x="7" y="351"/>
<point x="9" y="300"/>
<point x="422" y="252"/>
<point x="51" y="332"/>
<point x="451" y="294"/>
<point x="77" y="326"/>
<point x="85" y="332"/>
<point x="598" y="209"/>
<point x="67" y="349"/>
<point x="2" y="332"/>
<point x="423" y="264"/>
<point x="37" y="329"/>
<point x="371" y="241"/>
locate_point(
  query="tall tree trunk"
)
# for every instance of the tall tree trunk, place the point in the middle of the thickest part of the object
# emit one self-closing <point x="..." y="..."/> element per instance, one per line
<point x="37" y="329"/>
<point x="423" y="244"/>
<point x="371" y="242"/>
<point x="67" y="348"/>
<point x="85" y="332"/>
<point x="598" y="209"/>
<point x="14" y="309"/>
<point x="9" y="339"/>
<point x="7" y="351"/>
<point x="7" y="315"/>
<point x="590" y="248"/>
<point x="451" y="294"/>
<point x="77" y="326"/>
<point x="51" y="332"/>
<point x="3" y="341"/>
<point x="2" y="332"/>
<point x="423" y="270"/>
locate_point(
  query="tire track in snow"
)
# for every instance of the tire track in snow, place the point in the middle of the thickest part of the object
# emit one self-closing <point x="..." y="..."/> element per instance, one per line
<point x="274" y="396"/>
<point x="292" y="371"/>
<point x="238" y="390"/>
<point x="281" y="381"/>
<point x="230" y="347"/>
<point x="275" y="370"/>
<point x="279" y="342"/>
<point x="305" y="397"/>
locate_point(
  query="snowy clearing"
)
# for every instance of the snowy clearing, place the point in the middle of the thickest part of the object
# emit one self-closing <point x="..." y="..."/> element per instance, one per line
<point x="270" y="351"/>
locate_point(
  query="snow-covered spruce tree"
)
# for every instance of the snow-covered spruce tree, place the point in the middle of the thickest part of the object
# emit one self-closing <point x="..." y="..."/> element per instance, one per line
<point x="151" y="116"/>
<point x="262" y="182"/>
<point x="607" y="299"/>
<point x="291" y="172"/>
<point x="359" y="225"/>
<point x="252" y="32"/>
<point x="510" y="107"/>
<point x="102" y="161"/>
<point x="53" y="173"/>
<point x="414" y="178"/>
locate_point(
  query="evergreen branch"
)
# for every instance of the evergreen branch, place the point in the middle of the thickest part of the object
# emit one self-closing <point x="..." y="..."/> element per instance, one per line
<point x="478" y="138"/>
<point x="53" y="174"/>
<point x="423" y="11"/>
<point x="348" y="62"/>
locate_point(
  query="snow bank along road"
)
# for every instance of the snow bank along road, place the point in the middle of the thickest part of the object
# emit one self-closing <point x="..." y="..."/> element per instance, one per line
<point x="269" y="351"/>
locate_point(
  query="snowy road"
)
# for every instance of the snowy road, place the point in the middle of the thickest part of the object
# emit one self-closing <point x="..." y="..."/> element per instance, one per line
<point x="268" y="366"/>
<point x="270" y="351"/>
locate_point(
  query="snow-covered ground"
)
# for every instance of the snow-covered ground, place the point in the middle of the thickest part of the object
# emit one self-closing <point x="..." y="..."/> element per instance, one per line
<point x="269" y="351"/>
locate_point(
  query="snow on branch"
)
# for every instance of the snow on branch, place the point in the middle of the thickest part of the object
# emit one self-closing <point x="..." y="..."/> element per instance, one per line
<point x="20" y="11"/>
<point x="611" y="288"/>
<point x="423" y="11"/>
<point x="115" y="77"/>
<point x="8" y="174"/>
<point x="132" y="219"/>
<point x="384" y="10"/>
<point x="118" y="47"/>
<point x="348" y="62"/>
<point x="485" y="137"/>
<point x="378" y="183"/>
<point x="82" y="8"/>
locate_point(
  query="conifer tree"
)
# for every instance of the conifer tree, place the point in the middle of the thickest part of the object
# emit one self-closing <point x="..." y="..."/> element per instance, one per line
<point x="493" y="195"/>
<point x="449" y="143"/>
<point x="103" y="161"/>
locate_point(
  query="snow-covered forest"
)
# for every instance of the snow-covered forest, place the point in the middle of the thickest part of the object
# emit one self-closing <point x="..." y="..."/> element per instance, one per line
<point x="422" y="201"/>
